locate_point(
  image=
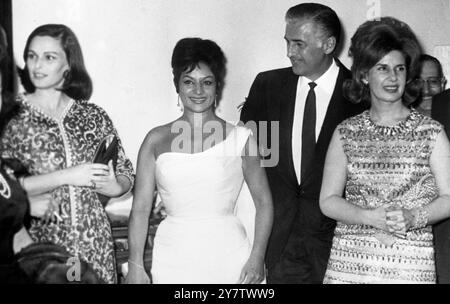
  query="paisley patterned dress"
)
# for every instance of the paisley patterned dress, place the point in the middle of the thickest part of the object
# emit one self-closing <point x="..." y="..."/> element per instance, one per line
<point x="387" y="166"/>
<point x="45" y="144"/>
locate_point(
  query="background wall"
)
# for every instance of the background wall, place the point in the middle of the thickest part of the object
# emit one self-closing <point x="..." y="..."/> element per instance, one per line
<point x="128" y="44"/>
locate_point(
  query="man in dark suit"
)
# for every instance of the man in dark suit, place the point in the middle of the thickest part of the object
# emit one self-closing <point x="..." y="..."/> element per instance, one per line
<point x="440" y="111"/>
<point x="433" y="101"/>
<point x="307" y="101"/>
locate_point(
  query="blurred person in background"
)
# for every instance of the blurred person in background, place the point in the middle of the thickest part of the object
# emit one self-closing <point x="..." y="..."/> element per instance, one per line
<point x="432" y="82"/>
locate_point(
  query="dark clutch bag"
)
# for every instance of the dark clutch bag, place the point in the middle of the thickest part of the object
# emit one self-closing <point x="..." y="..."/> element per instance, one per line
<point x="46" y="263"/>
<point x="107" y="149"/>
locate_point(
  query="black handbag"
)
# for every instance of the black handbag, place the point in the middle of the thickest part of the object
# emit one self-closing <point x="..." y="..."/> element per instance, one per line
<point x="47" y="263"/>
<point x="107" y="149"/>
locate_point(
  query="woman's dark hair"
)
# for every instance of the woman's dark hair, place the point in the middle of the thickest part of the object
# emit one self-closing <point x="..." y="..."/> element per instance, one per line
<point x="8" y="84"/>
<point x="77" y="83"/>
<point x="189" y="52"/>
<point x="371" y="42"/>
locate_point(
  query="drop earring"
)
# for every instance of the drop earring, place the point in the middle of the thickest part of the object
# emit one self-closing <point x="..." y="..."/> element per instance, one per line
<point x="180" y="104"/>
<point x="215" y="101"/>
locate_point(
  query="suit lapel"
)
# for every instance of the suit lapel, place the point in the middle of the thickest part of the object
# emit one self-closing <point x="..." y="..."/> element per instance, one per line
<point x="335" y="113"/>
<point x="286" y="107"/>
<point x="440" y="111"/>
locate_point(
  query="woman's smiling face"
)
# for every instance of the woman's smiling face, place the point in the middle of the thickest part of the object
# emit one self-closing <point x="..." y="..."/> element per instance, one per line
<point x="387" y="78"/>
<point x="197" y="89"/>
<point x="46" y="62"/>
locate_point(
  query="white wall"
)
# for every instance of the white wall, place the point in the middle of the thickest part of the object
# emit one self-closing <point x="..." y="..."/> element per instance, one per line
<point x="128" y="44"/>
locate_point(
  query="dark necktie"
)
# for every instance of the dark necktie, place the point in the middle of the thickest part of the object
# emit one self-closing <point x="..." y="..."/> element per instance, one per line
<point x="309" y="131"/>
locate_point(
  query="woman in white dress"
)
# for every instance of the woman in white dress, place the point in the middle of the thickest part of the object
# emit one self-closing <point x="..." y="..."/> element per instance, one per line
<point x="198" y="164"/>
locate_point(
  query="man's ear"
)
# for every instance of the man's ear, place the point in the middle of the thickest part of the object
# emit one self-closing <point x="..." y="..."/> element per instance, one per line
<point x="329" y="45"/>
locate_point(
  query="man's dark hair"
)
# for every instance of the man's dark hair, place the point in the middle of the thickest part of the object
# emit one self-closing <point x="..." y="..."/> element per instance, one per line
<point x="425" y="57"/>
<point x="320" y="14"/>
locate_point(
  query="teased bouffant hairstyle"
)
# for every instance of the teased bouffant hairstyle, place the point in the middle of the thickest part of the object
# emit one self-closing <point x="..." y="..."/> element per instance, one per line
<point x="77" y="83"/>
<point x="189" y="52"/>
<point x="321" y="14"/>
<point x="371" y="42"/>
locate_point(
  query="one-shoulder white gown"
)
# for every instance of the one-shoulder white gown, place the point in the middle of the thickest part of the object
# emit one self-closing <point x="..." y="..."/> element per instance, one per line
<point x="201" y="240"/>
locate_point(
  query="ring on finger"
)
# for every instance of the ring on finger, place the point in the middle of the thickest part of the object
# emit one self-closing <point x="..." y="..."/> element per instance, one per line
<point x="93" y="185"/>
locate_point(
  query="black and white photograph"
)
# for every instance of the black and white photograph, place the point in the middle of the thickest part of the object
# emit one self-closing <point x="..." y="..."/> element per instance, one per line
<point x="224" y="147"/>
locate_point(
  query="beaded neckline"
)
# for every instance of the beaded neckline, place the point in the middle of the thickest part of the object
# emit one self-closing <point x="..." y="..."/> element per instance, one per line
<point x="24" y="100"/>
<point x="401" y="127"/>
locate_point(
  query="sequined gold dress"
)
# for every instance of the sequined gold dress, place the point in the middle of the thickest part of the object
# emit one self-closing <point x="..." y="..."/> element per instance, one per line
<point x="387" y="166"/>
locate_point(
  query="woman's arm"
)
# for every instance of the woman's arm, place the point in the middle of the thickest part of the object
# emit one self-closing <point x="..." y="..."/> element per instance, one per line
<point x="439" y="208"/>
<point x="113" y="185"/>
<point x="140" y="211"/>
<point x="256" y="179"/>
<point x="121" y="177"/>
<point x="334" y="179"/>
<point x="80" y="175"/>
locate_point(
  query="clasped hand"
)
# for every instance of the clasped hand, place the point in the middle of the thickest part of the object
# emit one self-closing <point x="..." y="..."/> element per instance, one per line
<point x="394" y="220"/>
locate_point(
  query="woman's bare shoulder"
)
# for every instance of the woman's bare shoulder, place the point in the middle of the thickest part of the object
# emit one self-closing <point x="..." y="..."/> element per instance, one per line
<point x="157" y="135"/>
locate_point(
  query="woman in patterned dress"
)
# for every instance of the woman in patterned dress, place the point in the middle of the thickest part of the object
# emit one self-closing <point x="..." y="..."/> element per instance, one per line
<point x="55" y="135"/>
<point x="392" y="162"/>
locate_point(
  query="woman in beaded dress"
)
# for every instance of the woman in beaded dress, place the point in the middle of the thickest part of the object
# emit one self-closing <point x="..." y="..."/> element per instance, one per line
<point x="392" y="162"/>
<point x="55" y="135"/>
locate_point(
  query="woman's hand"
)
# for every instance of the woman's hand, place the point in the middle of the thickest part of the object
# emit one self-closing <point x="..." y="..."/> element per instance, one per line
<point x="376" y="218"/>
<point x="86" y="174"/>
<point x="253" y="271"/>
<point x="399" y="221"/>
<point x="39" y="204"/>
<point x="108" y="184"/>
<point x="21" y="240"/>
<point x="44" y="207"/>
<point x="136" y="275"/>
